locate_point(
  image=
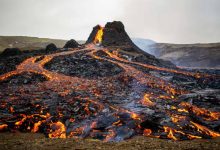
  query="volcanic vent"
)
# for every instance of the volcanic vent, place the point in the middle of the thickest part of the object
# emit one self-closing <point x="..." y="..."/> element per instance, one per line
<point x="113" y="34"/>
<point x="115" y="38"/>
<point x="96" y="35"/>
<point x="109" y="90"/>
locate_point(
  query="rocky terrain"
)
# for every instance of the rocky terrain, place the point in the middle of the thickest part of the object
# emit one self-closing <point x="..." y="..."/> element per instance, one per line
<point x="109" y="90"/>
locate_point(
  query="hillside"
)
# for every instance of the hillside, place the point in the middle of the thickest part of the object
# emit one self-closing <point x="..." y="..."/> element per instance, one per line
<point x="187" y="55"/>
<point x="28" y="43"/>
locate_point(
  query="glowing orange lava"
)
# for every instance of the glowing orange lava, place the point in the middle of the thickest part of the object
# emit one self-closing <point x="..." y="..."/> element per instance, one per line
<point x="63" y="85"/>
<point x="99" y="35"/>
<point x="146" y="100"/>
<point x="3" y="126"/>
<point x="147" y="132"/>
<point x="205" y="130"/>
<point x="58" y="130"/>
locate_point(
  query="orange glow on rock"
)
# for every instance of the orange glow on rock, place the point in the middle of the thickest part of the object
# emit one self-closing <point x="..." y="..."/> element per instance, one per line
<point x="146" y="100"/>
<point x="3" y="127"/>
<point x="170" y="132"/>
<point x="110" y="135"/>
<point x="205" y="130"/>
<point x="99" y="35"/>
<point x="135" y="116"/>
<point x="36" y="126"/>
<point x="58" y="130"/>
<point x="147" y="132"/>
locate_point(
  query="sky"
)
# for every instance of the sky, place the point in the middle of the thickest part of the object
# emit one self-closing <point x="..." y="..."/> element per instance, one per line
<point x="169" y="21"/>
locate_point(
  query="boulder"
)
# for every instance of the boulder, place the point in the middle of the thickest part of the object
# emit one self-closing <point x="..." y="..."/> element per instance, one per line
<point x="51" y="47"/>
<point x="11" y="52"/>
<point x="71" y="44"/>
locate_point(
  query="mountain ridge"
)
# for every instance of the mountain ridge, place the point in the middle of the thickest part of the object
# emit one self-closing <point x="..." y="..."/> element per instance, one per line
<point x="204" y="55"/>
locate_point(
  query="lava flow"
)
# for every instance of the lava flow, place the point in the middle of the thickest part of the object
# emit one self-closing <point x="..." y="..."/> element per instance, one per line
<point x="99" y="35"/>
<point x="104" y="93"/>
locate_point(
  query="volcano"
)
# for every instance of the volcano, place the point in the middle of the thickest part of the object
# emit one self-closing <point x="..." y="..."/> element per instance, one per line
<point x="107" y="89"/>
<point x="114" y="37"/>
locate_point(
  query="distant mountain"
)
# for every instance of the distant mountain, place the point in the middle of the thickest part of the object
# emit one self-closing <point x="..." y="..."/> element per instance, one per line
<point x="28" y="43"/>
<point x="187" y="55"/>
<point x="143" y="43"/>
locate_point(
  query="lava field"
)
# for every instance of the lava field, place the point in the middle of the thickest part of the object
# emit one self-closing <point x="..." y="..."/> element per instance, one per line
<point x="108" y="89"/>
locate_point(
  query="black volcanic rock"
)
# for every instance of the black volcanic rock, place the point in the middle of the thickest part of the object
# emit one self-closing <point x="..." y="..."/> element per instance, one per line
<point x="51" y="47"/>
<point x="11" y="52"/>
<point x="115" y="35"/>
<point x="24" y="78"/>
<point x="81" y="66"/>
<point x="71" y="44"/>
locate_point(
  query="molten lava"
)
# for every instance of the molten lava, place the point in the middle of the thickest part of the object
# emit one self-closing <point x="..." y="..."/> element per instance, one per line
<point x="109" y="108"/>
<point x="146" y="100"/>
<point x="58" y="130"/>
<point x="36" y="126"/>
<point x="3" y="127"/>
<point x="170" y="132"/>
<point x="205" y="130"/>
<point x="147" y="132"/>
<point x="99" y="35"/>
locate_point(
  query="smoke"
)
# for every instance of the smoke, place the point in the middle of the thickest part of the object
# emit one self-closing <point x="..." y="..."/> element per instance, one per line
<point x="182" y="21"/>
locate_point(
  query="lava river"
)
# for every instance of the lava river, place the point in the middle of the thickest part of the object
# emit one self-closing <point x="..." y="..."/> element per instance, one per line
<point x="130" y="101"/>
